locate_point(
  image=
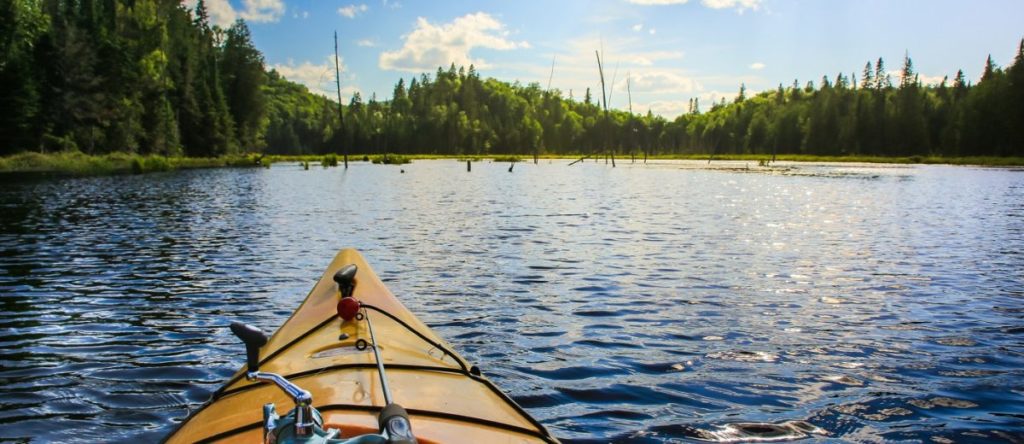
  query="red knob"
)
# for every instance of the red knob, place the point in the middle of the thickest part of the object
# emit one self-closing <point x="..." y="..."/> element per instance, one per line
<point x="347" y="308"/>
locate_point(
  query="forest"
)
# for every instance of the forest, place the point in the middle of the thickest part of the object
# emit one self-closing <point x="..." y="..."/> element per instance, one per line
<point x="153" y="77"/>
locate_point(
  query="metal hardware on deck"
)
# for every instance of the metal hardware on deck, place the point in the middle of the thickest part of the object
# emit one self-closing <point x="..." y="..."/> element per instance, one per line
<point x="270" y="419"/>
<point x="254" y="339"/>
<point x="303" y="400"/>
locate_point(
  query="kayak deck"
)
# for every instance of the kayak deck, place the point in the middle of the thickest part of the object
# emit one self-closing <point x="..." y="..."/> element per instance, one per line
<point x="446" y="398"/>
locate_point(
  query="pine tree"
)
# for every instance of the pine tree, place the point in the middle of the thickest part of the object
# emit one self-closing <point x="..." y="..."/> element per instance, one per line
<point x="1015" y="100"/>
<point x="990" y="69"/>
<point x="959" y="84"/>
<point x="243" y="77"/>
<point x="907" y="75"/>
<point x="202" y="19"/>
<point x="882" y="79"/>
<point x="867" y="80"/>
<point x="841" y="82"/>
<point x="21" y="85"/>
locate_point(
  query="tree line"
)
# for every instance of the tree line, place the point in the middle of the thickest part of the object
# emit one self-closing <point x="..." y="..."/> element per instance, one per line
<point x="456" y="112"/>
<point x="141" y="76"/>
<point x="875" y="116"/>
<point x="154" y="77"/>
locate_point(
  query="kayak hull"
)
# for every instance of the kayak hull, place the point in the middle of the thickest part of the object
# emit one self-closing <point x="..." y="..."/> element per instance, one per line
<point x="446" y="398"/>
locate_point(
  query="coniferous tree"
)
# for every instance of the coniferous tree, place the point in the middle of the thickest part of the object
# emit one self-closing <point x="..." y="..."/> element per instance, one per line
<point x="867" y="79"/>
<point x="153" y="77"/>
<point x="243" y="77"/>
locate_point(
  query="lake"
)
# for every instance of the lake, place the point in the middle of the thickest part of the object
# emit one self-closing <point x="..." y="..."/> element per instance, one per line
<point x="644" y="303"/>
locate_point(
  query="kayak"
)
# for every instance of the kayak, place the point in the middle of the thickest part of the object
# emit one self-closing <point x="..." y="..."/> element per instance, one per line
<point x="353" y="365"/>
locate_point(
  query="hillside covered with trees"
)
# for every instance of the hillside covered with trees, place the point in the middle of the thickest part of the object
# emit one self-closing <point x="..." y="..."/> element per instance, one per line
<point x="455" y="112"/>
<point x="145" y="76"/>
<point x="153" y="77"/>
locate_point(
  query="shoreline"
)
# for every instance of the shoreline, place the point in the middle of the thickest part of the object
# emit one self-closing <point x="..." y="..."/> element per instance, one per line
<point x="80" y="164"/>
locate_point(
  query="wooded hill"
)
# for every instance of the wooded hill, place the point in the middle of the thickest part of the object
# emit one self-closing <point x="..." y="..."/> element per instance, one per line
<point x="152" y="77"/>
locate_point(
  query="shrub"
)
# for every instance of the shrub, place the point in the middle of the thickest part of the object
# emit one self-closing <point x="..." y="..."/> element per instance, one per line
<point x="329" y="160"/>
<point x="391" y="159"/>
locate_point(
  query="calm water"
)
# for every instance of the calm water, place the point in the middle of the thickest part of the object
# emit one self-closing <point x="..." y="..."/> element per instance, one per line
<point x="642" y="303"/>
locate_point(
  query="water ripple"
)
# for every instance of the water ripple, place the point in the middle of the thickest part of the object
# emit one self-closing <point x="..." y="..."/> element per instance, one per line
<point x="636" y="304"/>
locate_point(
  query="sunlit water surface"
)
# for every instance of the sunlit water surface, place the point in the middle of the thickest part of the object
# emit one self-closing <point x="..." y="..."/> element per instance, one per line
<point x="641" y="303"/>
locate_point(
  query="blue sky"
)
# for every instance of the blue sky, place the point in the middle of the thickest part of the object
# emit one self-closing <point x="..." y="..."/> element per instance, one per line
<point x="671" y="50"/>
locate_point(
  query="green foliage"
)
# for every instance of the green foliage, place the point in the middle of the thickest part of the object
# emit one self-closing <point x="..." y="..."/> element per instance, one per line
<point x="455" y="112"/>
<point x="136" y="77"/>
<point x="242" y="79"/>
<point x="153" y="78"/>
<point x="298" y="122"/>
<point x="877" y="119"/>
<point x="329" y="160"/>
<point x="76" y="163"/>
<point x="391" y="159"/>
<point x="51" y="143"/>
<point x="150" y="164"/>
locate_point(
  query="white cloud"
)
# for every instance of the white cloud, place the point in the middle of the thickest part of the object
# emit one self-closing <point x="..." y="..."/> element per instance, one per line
<point x="429" y="46"/>
<point x="640" y="27"/>
<point x="923" y="78"/>
<point x="576" y="69"/>
<point x="635" y="50"/>
<point x="221" y="12"/>
<point x="660" y="82"/>
<point x="658" y="2"/>
<point x="708" y="98"/>
<point x="256" y="11"/>
<point x="757" y="66"/>
<point x="739" y="5"/>
<point x="366" y="43"/>
<point x="648" y="58"/>
<point x="261" y="11"/>
<point x="642" y="61"/>
<point x="351" y="11"/>
<point x="665" y="108"/>
<point x="930" y="80"/>
<point x="318" y="78"/>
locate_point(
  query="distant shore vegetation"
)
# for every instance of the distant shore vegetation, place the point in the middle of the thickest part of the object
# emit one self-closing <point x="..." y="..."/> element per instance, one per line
<point x="93" y="85"/>
<point x="80" y="164"/>
<point x="76" y="163"/>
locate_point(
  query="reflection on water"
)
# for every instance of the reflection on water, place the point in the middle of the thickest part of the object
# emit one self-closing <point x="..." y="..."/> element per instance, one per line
<point x="643" y="304"/>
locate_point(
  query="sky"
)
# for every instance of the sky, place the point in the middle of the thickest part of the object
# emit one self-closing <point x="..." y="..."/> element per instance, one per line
<point x="669" y="50"/>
